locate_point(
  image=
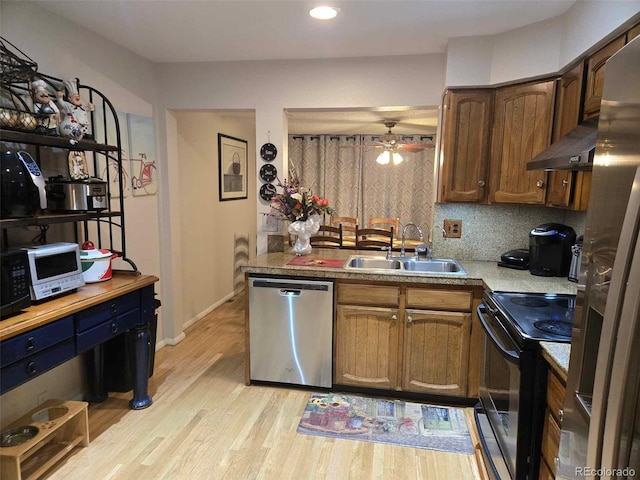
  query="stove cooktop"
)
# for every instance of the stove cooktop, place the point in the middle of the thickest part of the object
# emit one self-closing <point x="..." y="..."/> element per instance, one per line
<point x="538" y="316"/>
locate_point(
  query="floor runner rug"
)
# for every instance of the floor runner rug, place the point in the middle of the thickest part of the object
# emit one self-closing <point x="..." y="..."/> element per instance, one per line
<point x="395" y="422"/>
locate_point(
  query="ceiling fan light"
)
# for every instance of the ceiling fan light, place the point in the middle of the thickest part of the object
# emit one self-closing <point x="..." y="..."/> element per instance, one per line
<point x="384" y="158"/>
<point x="397" y="158"/>
<point x="324" y="13"/>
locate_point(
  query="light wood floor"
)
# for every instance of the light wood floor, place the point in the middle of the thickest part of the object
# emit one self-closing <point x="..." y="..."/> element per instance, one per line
<point x="205" y="423"/>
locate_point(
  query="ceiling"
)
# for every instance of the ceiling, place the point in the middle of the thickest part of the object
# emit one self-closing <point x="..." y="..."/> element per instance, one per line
<point x="236" y="30"/>
<point x="218" y="30"/>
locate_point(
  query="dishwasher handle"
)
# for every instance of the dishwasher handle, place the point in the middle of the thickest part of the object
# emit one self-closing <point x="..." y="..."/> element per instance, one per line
<point x="289" y="292"/>
<point x="290" y="285"/>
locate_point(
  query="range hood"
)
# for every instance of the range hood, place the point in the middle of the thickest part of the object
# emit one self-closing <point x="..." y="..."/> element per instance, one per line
<point x="574" y="151"/>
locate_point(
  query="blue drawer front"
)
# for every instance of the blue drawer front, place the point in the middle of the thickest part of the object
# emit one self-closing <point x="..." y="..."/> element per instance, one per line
<point x="27" y="368"/>
<point x="109" y="329"/>
<point x="36" y="340"/>
<point x="105" y="311"/>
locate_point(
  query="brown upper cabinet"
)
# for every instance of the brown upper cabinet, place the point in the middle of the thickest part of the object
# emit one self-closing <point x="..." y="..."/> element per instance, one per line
<point x="566" y="117"/>
<point x="521" y="130"/>
<point x="466" y="145"/>
<point x="595" y="75"/>
<point x="633" y="33"/>
<point x="568" y="102"/>
<point x="489" y="135"/>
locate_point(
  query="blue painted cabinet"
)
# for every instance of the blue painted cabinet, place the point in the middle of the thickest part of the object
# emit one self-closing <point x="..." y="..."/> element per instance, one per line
<point x="36" y="351"/>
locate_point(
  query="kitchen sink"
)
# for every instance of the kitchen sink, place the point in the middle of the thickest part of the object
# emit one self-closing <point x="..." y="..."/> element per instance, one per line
<point x="409" y="265"/>
<point x="437" y="265"/>
<point x="373" y="263"/>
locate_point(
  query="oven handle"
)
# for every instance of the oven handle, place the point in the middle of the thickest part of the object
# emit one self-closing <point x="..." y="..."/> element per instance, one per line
<point x="511" y="355"/>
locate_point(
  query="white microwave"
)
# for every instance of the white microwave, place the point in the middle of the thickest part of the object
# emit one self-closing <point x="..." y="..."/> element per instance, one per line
<point x="55" y="268"/>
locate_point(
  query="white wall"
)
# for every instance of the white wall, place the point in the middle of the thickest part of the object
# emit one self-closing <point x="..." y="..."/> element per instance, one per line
<point x="210" y="226"/>
<point x="542" y="48"/>
<point x="271" y="87"/>
<point x="587" y="23"/>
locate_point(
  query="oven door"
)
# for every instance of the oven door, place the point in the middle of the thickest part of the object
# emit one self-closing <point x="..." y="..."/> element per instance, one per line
<point x="500" y="388"/>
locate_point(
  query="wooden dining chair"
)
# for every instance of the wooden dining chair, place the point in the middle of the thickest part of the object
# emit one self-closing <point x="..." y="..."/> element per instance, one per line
<point x="386" y="223"/>
<point x="374" y="238"/>
<point x="349" y="224"/>
<point x="327" y="237"/>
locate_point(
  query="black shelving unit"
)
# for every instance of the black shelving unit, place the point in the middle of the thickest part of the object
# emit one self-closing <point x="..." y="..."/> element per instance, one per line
<point x="18" y="71"/>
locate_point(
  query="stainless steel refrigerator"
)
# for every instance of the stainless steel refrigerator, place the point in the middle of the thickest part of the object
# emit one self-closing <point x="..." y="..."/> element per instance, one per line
<point x="600" y="435"/>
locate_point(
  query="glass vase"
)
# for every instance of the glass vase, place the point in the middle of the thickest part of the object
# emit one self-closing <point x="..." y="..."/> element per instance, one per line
<point x="303" y="229"/>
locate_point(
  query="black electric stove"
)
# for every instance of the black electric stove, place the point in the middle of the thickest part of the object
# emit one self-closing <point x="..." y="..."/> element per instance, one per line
<point x="536" y="316"/>
<point x="513" y="376"/>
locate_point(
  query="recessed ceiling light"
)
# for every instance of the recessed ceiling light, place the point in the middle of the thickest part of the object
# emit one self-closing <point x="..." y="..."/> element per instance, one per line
<point x="324" y="13"/>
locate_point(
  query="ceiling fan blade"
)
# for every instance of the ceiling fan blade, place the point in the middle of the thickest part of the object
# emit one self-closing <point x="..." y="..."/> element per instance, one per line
<point x="362" y="146"/>
<point x="414" y="147"/>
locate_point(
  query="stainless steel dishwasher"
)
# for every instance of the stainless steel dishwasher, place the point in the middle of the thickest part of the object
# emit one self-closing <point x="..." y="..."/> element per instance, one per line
<point x="291" y="331"/>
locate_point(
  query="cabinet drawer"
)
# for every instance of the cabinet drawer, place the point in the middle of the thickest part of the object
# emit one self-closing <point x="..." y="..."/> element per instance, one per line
<point x="555" y="395"/>
<point x="100" y="313"/>
<point x="25" y="369"/>
<point x="439" y="299"/>
<point x="380" y="295"/>
<point x="35" y="340"/>
<point x="109" y="329"/>
<point x="550" y="441"/>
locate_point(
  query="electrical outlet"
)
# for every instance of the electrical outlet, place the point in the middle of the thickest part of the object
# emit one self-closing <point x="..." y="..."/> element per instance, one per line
<point x="453" y="228"/>
<point x="42" y="397"/>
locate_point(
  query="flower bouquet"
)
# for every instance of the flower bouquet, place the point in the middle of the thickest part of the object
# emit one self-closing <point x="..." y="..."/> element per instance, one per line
<point x="302" y="208"/>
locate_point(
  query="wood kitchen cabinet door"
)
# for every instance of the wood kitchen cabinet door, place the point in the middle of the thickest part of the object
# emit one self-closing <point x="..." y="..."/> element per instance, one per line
<point x="521" y="130"/>
<point x="366" y="346"/>
<point x="436" y="352"/>
<point x="595" y="76"/>
<point x="633" y="33"/>
<point x="466" y="145"/>
<point x="566" y="117"/>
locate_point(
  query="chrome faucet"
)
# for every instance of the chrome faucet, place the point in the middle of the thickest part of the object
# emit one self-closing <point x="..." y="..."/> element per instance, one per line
<point x="404" y="235"/>
<point x="430" y="241"/>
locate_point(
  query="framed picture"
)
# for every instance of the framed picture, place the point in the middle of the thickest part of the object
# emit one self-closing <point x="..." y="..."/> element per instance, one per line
<point x="232" y="167"/>
<point x="142" y="159"/>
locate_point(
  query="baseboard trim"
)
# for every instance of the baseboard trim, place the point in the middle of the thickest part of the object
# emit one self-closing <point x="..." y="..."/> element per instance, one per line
<point x="194" y="320"/>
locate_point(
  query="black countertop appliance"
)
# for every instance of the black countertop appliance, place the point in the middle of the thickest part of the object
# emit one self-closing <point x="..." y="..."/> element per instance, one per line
<point x="518" y="259"/>
<point x="550" y="249"/>
<point x="22" y="183"/>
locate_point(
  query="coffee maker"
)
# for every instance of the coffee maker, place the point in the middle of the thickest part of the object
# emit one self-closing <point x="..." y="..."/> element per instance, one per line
<point x="550" y="249"/>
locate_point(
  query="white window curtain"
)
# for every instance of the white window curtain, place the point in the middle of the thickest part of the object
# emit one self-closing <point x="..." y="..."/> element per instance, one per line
<point x="320" y="163"/>
<point x="359" y="187"/>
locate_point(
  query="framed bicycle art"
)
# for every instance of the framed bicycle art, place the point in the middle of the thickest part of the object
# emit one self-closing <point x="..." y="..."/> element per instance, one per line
<point x="232" y="167"/>
<point x="142" y="159"/>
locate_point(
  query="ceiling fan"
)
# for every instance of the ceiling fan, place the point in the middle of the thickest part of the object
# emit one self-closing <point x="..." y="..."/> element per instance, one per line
<point x="392" y="142"/>
<point x="391" y="146"/>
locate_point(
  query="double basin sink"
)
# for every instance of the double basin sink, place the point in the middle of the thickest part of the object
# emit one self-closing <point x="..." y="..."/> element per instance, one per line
<point x="409" y="265"/>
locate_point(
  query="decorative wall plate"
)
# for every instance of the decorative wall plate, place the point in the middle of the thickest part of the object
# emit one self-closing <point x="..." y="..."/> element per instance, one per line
<point x="267" y="191"/>
<point x="268" y="152"/>
<point x="268" y="172"/>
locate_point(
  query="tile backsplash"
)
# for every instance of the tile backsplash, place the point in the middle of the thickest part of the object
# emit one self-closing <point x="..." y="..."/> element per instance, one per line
<point x="490" y="230"/>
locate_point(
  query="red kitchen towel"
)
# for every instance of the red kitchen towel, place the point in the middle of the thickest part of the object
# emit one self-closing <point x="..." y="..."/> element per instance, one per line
<point x="316" y="262"/>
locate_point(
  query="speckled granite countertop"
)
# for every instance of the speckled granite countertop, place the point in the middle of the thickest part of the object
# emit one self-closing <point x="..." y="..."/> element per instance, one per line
<point x="485" y="274"/>
<point x="557" y="354"/>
